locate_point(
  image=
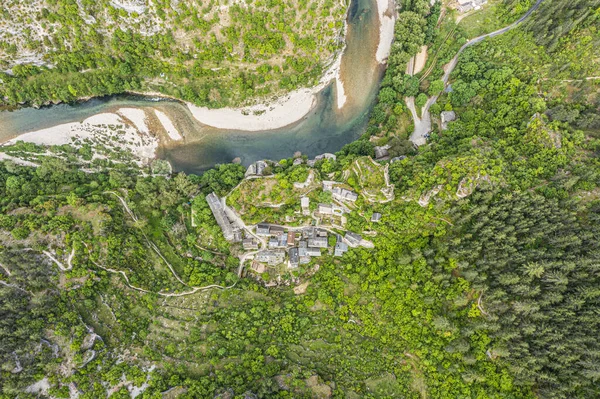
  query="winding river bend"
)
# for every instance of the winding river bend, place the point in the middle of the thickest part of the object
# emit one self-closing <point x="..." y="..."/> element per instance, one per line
<point x="324" y="129"/>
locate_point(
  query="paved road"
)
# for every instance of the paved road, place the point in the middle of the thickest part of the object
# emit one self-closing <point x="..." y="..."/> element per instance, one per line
<point x="423" y="124"/>
<point x="450" y="67"/>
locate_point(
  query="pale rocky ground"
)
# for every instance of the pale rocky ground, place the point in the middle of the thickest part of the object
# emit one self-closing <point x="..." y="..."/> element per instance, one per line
<point x="125" y="130"/>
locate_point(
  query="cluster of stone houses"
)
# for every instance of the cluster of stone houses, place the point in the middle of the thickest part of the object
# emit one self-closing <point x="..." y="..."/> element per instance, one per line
<point x="298" y="246"/>
<point x="258" y="167"/>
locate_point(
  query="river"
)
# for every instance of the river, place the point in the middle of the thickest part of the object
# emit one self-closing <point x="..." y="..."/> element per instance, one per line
<point x="324" y="129"/>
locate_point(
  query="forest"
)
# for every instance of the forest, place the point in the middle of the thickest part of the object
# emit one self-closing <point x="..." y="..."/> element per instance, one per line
<point x="484" y="281"/>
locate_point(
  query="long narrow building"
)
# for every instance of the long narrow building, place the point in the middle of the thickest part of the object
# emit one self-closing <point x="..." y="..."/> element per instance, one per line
<point x="219" y="213"/>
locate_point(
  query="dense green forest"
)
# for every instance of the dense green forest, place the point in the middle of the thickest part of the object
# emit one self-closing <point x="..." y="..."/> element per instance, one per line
<point x="484" y="281"/>
<point x="210" y="53"/>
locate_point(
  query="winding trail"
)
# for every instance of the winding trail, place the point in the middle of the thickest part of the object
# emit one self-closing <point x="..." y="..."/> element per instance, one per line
<point x="5" y="269"/>
<point x="58" y="263"/>
<point x="4" y="283"/>
<point x="150" y="243"/>
<point x="423" y="124"/>
<point x="165" y="294"/>
<point x="155" y="248"/>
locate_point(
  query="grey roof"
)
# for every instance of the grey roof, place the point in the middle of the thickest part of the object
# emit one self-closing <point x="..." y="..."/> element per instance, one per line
<point x="350" y="195"/>
<point x="250" y="243"/>
<point x="276" y="229"/>
<point x="343" y="194"/>
<point x="310" y="251"/>
<point x="270" y="256"/>
<point x="353" y="238"/>
<point x="294" y="256"/>
<point x="376" y="217"/>
<point x="263" y="229"/>
<point x="278" y="242"/>
<point x="325" y="208"/>
<point x="319" y="242"/>
<point x="283" y="240"/>
<point x="448" y="116"/>
<point x="302" y="251"/>
<point x="382" y="152"/>
<point x="340" y="248"/>
<point x="217" y="209"/>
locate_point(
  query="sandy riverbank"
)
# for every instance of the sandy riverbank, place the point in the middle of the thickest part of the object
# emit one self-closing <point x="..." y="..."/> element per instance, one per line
<point x="387" y="20"/>
<point x="108" y="129"/>
<point x="168" y="125"/>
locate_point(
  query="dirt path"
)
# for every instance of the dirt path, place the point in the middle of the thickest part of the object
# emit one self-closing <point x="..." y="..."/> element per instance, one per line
<point x="2" y="282"/>
<point x="435" y="56"/>
<point x="575" y="80"/>
<point x="6" y="270"/>
<point x="58" y="263"/>
<point x="420" y="60"/>
<point x="192" y="291"/>
<point x="150" y="243"/>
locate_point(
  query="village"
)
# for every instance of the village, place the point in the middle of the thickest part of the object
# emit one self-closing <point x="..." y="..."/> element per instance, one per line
<point x="318" y="229"/>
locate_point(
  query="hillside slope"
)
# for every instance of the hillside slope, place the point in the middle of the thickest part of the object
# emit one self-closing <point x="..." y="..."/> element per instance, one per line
<point x="207" y="52"/>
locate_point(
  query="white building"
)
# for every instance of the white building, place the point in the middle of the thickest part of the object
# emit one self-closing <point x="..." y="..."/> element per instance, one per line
<point x="305" y="203"/>
<point x="468" y="5"/>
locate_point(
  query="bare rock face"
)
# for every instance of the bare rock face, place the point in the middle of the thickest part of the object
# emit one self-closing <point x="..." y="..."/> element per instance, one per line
<point x="130" y="6"/>
<point x="468" y="185"/>
<point x="425" y="198"/>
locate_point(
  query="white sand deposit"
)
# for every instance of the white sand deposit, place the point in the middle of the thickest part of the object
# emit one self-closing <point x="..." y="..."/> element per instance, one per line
<point x="167" y="124"/>
<point x="137" y="116"/>
<point x="285" y="111"/>
<point x="107" y="129"/>
<point x="336" y="69"/>
<point x="18" y="161"/>
<point x="387" y="20"/>
<point x="420" y="60"/>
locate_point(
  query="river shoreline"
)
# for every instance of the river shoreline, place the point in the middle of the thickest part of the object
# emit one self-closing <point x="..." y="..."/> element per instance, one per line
<point x="288" y="109"/>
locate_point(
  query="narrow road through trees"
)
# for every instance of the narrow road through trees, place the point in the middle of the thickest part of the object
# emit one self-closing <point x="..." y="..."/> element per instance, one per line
<point x="423" y="124"/>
